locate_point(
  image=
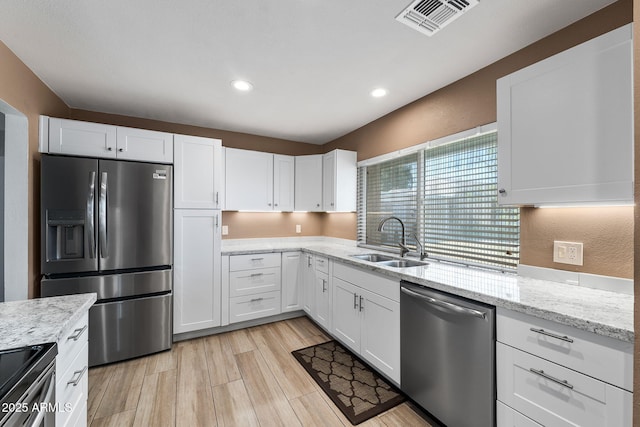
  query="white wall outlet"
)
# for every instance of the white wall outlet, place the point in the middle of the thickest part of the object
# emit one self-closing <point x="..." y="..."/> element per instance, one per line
<point x="225" y="230"/>
<point x="298" y="228"/>
<point x="567" y="252"/>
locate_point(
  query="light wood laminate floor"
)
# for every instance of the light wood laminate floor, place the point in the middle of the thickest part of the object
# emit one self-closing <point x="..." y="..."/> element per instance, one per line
<point x="242" y="378"/>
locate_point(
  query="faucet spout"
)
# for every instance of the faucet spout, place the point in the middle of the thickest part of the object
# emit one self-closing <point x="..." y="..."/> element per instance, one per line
<point x="403" y="242"/>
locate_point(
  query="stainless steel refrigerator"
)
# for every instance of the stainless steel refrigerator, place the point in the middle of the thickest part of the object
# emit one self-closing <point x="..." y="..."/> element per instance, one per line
<point x="106" y="227"/>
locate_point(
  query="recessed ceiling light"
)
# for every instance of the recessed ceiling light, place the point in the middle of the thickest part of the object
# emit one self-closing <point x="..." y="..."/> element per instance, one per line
<point x="242" y="85"/>
<point x="379" y="92"/>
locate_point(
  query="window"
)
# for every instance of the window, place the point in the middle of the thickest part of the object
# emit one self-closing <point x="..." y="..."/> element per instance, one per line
<point x="446" y="196"/>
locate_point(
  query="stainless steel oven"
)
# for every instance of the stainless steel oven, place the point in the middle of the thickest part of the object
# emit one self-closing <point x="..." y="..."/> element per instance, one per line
<point x="27" y="386"/>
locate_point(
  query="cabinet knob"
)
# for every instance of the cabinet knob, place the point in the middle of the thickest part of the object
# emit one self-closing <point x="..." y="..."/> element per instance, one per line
<point x="109" y="149"/>
<point x="121" y="150"/>
<point x="317" y="205"/>
<point x="275" y="204"/>
<point x="268" y="204"/>
<point x="502" y="191"/>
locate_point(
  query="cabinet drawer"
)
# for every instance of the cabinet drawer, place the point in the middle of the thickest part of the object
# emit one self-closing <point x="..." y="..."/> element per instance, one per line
<point x="251" y="282"/>
<point x="72" y="386"/>
<point x="601" y="357"/>
<point x="553" y="395"/>
<point x="509" y="417"/>
<point x="322" y="264"/>
<point x="254" y="306"/>
<point x="253" y="261"/>
<point x="71" y="342"/>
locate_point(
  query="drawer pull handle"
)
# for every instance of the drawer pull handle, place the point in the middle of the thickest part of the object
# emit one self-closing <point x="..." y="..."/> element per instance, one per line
<point x="563" y="383"/>
<point x="79" y="374"/>
<point x="549" y="334"/>
<point x="77" y="333"/>
<point x="361" y="305"/>
<point x="257" y="274"/>
<point x="256" y="299"/>
<point x="324" y="286"/>
<point x="355" y="300"/>
<point x="257" y="259"/>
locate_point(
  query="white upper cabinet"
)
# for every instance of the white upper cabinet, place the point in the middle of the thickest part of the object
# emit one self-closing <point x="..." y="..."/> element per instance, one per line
<point x="197" y="172"/>
<point x="283" y="182"/>
<point x="339" y="177"/>
<point x="258" y="181"/>
<point x="308" y="183"/>
<point x="144" y="145"/>
<point x="105" y="141"/>
<point x="248" y="180"/>
<point x="565" y="126"/>
<point x="80" y="138"/>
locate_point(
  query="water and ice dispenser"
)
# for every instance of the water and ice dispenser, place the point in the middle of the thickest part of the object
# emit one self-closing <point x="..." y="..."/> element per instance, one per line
<point x="65" y="234"/>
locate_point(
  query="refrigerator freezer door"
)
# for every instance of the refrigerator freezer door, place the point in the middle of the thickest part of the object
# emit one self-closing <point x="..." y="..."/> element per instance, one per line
<point x="67" y="209"/>
<point x="135" y="215"/>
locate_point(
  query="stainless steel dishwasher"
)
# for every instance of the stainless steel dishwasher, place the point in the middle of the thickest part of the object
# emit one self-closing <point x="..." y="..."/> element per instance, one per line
<point x="448" y="356"/>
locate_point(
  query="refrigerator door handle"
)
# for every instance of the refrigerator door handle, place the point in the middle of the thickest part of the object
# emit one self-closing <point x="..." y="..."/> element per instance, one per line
<point x="102" y="215"/>
<point x="91" y="214"/>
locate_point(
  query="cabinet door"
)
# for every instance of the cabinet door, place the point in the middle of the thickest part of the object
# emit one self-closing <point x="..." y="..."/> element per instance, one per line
<point x="565" y="126"/>
<point x="380" y="335"/>
<point x="144" y="145"/>
<point x="196" y="285"/>
<point x="283" y="182"/>
<point x="308" y="183"/>
<point x="82" y="138"/>
<point x="323" y="300"/>
<point x="248" y="180"/>
<point x="328" y="181"/>
<point x="291" y="281"/>
<point x="345" y="322"/>
<point x="309" y="280"/>
<point x="197" y="172"/>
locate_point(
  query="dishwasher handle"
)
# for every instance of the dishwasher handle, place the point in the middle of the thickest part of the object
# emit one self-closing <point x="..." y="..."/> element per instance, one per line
<point x="445" y="305"/>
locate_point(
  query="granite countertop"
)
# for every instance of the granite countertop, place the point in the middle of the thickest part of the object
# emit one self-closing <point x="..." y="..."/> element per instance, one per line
<point x="41" y="320"/>
<point x="602" y="312"/>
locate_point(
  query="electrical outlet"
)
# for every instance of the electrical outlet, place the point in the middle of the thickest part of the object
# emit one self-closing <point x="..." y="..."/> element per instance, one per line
<point x="298" y="228"/>
<point x="568" y="252"/>
<point x="225" y="230"/>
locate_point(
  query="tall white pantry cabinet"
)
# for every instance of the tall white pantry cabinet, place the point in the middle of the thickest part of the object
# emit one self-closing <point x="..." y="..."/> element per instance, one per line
<point x="197" y="233"/>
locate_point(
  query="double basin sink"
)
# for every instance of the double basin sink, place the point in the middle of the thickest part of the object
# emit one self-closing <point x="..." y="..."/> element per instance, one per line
<point x="389" y="261"/>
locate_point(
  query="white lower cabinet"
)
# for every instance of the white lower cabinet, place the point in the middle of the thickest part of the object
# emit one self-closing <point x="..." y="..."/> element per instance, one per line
<point x="196" y="270"/>
<point x="322" y="300"/>
<point x="72" y="363"/>
<point x="254" y="286"/>
<point x="292" y="289"/>
<point x="309" y="284"/>
<point x="366" y="321"/>
<point x="556" y="375"/>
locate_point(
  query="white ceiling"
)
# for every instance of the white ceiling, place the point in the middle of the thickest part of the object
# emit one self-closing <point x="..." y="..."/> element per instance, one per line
<point x="313" y="62"/>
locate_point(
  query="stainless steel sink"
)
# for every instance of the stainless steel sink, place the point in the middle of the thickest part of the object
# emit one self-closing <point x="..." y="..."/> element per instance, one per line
<point x="402" y="263"/>
<point x="373" y="257"/>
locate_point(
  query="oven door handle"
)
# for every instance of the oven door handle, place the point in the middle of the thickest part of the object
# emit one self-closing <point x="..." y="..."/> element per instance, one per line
<point x="48" y="396"/>
<point x="445" y="305"/>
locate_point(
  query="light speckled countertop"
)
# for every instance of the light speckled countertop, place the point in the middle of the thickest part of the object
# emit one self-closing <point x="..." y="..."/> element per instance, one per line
<point x="41" y="320"/>
<point x="602" y="312"/>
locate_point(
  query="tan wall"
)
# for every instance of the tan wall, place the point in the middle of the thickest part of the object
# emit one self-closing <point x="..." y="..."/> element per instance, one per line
<point x="471" y="102"/>
<point x="25" y="92"/>
<point x="243" y="225"/>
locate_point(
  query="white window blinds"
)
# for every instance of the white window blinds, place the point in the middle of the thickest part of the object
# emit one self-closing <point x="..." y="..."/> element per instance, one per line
<point x="447" y="196"/>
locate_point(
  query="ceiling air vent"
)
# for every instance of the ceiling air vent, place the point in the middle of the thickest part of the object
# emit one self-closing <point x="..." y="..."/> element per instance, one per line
<point x="430" y="16"/>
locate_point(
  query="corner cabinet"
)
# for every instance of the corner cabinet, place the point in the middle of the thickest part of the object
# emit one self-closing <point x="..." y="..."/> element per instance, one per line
<point x="197" y="172"/>
<point x="308" y="183"/>
<point x="565" y="126"/>
<point x="196" y="270"/>
<point x="292" y="288"/>
<point x="73" y="137"/>
<point x="339" y="181"/>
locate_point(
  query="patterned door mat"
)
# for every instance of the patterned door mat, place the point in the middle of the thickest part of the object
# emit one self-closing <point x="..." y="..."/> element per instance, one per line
<point x="358" y="391"/>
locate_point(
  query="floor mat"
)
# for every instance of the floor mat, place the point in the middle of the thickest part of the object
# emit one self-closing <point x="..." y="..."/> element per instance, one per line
<point x="358" y="391"/>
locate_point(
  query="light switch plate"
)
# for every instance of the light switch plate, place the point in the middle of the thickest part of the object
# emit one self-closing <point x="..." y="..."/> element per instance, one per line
<point x="225" y="230"/>
<point x="568" y="252"/>
<point x="298" y="228"/>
